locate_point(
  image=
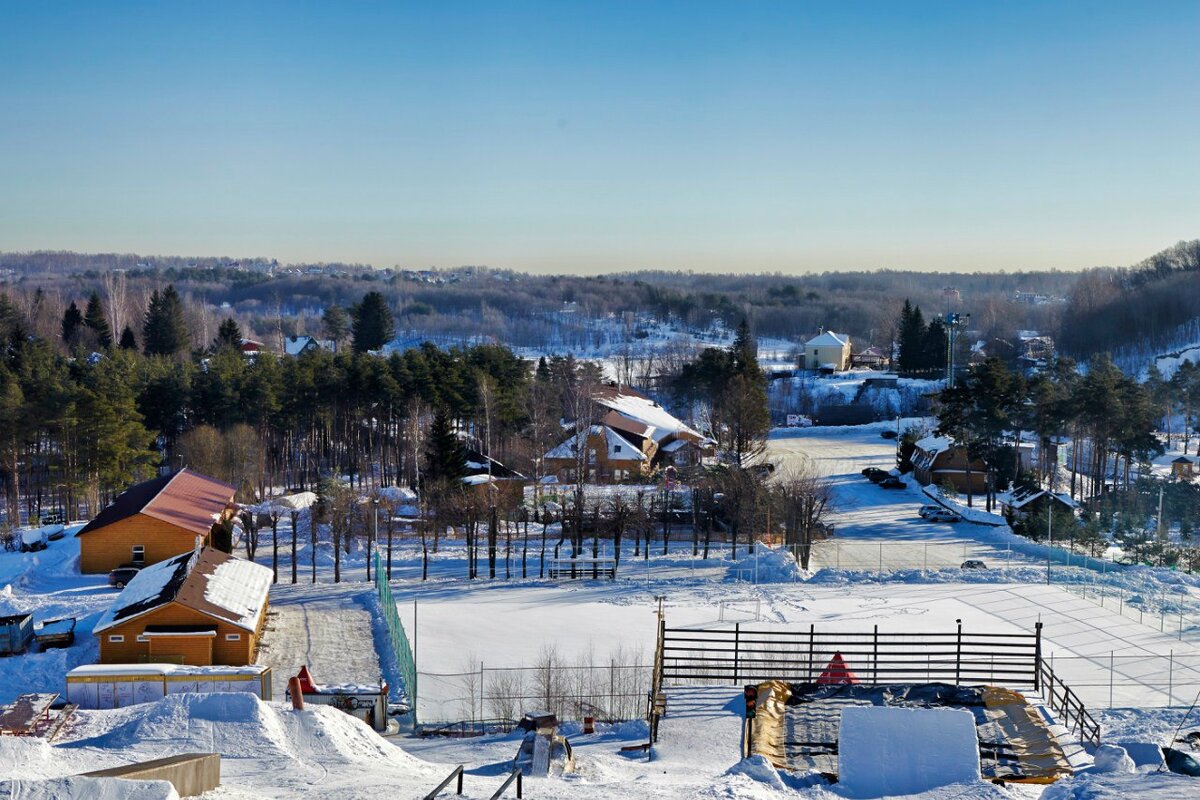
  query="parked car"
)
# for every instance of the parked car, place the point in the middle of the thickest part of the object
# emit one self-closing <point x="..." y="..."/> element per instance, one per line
<point x="926" y="510"/>
<point x="53" y="516"/>
<point x="974" y="563"/>
<point x="942" y="515"/>
<point x="122" y="575"/>
<point x="891" y="482"/>
<point x="888" y="433"/>
<point x="874" y="474"/>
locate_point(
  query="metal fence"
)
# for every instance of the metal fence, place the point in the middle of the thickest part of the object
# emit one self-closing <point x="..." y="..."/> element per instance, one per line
<point x="397" y="638"/>
<point x="1118" y="680"/>
<point x="486" y="696"/>
<point x="746" y="654"/>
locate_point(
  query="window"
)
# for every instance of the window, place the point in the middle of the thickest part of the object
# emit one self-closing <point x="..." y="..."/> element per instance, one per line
<point x="116" y="638"/>
<point x="616" y="448"/>
<point x="233" y="637"/>
<point x="142" y="638"/>
<point x="139" y="554"/>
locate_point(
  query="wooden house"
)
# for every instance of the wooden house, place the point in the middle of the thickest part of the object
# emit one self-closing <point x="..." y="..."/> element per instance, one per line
<point x="938" y="460"/>
<point x="1183" y="468"/>
<point x="199" y="608"/>
<point x="1020" y="504"/>
<point x="155" y="520"/>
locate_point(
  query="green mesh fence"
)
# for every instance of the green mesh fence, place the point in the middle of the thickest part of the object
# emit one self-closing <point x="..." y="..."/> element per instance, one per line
<point x="397" y="637"/>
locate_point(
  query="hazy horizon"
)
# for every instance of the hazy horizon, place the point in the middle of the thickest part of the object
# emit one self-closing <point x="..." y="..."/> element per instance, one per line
<point x="605" y="138"/>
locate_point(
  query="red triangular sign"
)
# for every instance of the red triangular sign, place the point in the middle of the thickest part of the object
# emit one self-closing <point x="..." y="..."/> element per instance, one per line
<point x="306" y="680"/>
<point x="836" y="672"/>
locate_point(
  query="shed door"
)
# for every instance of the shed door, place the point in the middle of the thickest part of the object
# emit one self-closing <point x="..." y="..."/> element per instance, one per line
<point x="193" y="650"/>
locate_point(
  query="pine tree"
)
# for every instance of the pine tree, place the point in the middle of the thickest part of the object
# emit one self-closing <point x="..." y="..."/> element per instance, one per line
<point x="910" y="337"/>
<point x="97" y="320"/>
<point x="745" y="351"/>
<point x="934" y="346"/>
<point x="445" y="457"/>
<point x="336" y="325"/>
<point x="164" y="332"/>
<point x="72" y="321"/>
<point x="229" y="335"/>
<point x="128" y="341"/>
<point x="373" y="323"/>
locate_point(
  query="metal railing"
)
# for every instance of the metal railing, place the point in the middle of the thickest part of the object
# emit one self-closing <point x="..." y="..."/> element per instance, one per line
<point x="1073" y="715"/>
<point x="457" y="773"/>
<point x="754" y="654"/>
<point x="515" y="775"/>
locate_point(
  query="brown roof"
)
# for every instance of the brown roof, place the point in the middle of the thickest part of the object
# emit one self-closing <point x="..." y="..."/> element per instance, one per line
<point x="621" y="422"/>
<point x="188" y="579"/>
<point x="186" y="499"/>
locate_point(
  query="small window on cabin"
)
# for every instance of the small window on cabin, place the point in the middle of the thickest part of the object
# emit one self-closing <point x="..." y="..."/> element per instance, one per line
<point x="616" y="448"/>
<point x="116" y="638"/>
<point x="233" y="637"/>
<point x="139" y="554"/>
<point x="142" y="638"/>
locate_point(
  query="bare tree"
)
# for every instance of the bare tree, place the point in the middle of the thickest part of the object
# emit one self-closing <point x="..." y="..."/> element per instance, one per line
<point x="803" y="498"/>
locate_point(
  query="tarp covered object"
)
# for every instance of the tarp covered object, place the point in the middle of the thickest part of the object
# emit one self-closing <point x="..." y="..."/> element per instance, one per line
<point x="837" y="672"/>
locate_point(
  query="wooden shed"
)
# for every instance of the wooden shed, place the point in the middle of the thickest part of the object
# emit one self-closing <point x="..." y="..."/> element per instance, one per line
<point x="200" y="608"/>
<point x="938" y="459"/>
<point x="155" y="520"/>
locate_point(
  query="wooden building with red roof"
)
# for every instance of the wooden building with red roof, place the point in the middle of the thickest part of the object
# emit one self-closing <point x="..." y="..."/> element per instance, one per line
<point x="155" y="520"/>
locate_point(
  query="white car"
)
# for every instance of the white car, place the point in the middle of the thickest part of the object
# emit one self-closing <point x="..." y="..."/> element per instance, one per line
<point x="942" y="515"/>
<point x="927" y="510"/>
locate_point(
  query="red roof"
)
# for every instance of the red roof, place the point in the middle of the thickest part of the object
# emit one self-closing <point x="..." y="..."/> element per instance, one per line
<point x="187" y="500"/>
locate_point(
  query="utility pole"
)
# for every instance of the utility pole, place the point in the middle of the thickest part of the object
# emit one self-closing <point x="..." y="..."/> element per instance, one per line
<point x="1049" y="539"/>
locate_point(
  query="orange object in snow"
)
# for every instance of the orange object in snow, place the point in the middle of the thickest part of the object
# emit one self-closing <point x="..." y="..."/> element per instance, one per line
<point x="589" y="724"/>
<point x="306" y="680"/>
<point x="837" y="673"/>
<point x="296" y="693"/>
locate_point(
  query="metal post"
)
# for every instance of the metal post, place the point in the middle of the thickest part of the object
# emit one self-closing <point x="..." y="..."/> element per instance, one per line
<point x="1181" y="595"/>
<point x="875" y="656"/>
<point x="925" y="563"/>
<point x="1111" y="658"/>
<point x="1037" y="657"/>
<point x="413" y="695"/>
<point x="957" y="651"/>
<point x="737" y="636"/>
<point x="1170" y="677"/>
<point x="811" y="637"/>
<point x="881" y="558"/>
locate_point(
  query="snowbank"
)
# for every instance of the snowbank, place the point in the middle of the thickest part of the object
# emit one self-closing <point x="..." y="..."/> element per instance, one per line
<point x="78" y="788"/>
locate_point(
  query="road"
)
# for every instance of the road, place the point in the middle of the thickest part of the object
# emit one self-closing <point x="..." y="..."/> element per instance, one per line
<point x="876" y="528"/>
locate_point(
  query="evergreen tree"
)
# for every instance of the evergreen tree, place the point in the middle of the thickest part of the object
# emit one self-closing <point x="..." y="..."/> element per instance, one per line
<point x="445" y="456"/>
<point x="336" y="325"/>
<point x="910" y="338"/>
<point x="933" y="346"/>
<point x="543" y="370"/>
<point x="164" y="332"/>
<point x="128" y="342"/>
<point x="72" y="321"/>
<point x="95" y="318"/>
<point x="229" y="335"/>
<point x="373" y="323"/>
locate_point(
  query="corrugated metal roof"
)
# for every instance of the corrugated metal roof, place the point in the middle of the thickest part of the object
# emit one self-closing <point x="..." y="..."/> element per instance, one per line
<point x="186" y="499"/>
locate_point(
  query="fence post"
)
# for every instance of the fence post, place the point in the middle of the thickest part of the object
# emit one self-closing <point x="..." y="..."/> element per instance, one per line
<point x="1037" y="657"/>
<point x="957" y="653"/>
<point x="875" y="655"/>
<point x="811" y="636"/>
<point x="737" y="635"/>
<point x="1170" y="678"/>
<point x="1111" y="659"/>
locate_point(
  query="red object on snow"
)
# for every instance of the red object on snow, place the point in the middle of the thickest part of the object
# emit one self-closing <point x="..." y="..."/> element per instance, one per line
<point x="837" y="673"/>
<point x="306" y="680"/>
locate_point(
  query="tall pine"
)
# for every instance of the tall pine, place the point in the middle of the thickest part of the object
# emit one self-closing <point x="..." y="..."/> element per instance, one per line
<point x="72" y="322"/>
<point x="445" y="456"/>
<point x="95" y="318"/>
<point x="164" y="332"/>
<point x="373" y="324"/>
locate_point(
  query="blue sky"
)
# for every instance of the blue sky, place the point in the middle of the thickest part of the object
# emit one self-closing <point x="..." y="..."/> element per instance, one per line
<point x="585" y="137"/>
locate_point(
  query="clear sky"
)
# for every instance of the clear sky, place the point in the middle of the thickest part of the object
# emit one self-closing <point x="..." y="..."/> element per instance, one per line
<point x="581" y="137"/>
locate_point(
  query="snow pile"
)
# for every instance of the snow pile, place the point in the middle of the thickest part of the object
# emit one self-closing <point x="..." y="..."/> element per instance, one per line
<point x="894" y="751"/>
<point x="1141" y="785"/>
<point x="758" y="768"/>
<point x="87" y="789"/>
<point x="22" y="757"/>
<point x="240" y="726"/>
<point x="1111" y="758"/>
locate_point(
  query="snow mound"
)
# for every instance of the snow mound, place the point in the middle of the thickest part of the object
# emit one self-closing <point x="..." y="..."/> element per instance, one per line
<point x="1111" y="758"/>
<point x="758" y="768"/>
<point x="893" y="751"/>
<point x="24" y="757"/>
<point x="87" y="789"/>
<point x="238" y="725"/>
<point x="1112" y="786"/>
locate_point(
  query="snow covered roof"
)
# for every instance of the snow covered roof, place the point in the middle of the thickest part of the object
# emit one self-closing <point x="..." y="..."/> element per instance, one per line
<point x="296" y="501"/>
<point x="1020" y="499"/>
<point x="637" y="408"/>
<point x="828" y="339"/>
<point x="185" y="499"/>
<point x="214" y="583"/>
<point x="397" y="494"/>
<point x="100" y="670"/>
<point x="935" y="445"/>
<point x="618" y="448"/>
